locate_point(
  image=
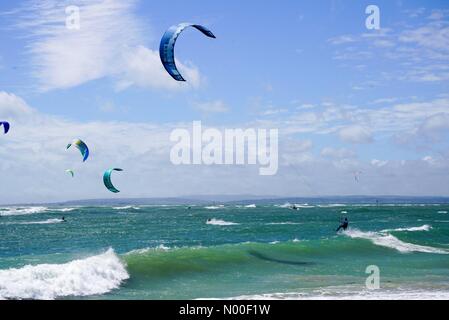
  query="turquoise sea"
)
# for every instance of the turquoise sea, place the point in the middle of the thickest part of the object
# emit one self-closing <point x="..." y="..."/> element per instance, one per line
<point x="251" y="251"/>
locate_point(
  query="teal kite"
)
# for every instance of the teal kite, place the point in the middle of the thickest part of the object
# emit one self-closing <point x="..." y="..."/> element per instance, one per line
<point x="107" y="180"/>
<point x="70" y="171"/>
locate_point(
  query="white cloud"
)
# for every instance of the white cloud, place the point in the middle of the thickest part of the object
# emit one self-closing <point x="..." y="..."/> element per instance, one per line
<point x="355" y="134"/>
<point x="337" y="153"/>
<point x="13" y="107"/>
<point x="379" y="163"/>
<point x="216" y="106"/>
<point x="271" y="112"/>
<point x="420" y="49"/>
<point x="108" y="44"/>
<point x="143" y="68"/>
<point x="342" y="39"/>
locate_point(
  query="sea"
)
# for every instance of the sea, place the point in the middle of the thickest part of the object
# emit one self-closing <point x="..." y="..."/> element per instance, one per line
<point x="225" y="251"/>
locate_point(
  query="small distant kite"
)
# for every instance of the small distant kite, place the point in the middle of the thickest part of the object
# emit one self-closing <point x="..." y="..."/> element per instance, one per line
<point x="167" y="47"/>
<point x="5" y="126"/>
<point x="107" y="180"/>
<point x="71" y="172"/>
<point x="82" y="147"/>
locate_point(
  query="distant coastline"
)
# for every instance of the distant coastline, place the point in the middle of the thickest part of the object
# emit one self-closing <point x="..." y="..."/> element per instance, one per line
<point x="245" y="200"/>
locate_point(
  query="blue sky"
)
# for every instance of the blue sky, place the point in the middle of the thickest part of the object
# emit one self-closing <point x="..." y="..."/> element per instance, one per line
<point x="344" y="98"/>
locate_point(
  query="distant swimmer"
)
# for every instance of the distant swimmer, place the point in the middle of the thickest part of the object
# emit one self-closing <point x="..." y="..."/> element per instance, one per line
<point x="63" y="219"/>
<point x="294" y="207"/>
<point x="343" y="225"/>
<point x="188" y="208"/>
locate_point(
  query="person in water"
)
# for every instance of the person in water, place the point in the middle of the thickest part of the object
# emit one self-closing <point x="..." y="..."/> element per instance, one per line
<point x="294" y="207"/>
<point x="343" y="225"/>
<point x="63" y="219"/>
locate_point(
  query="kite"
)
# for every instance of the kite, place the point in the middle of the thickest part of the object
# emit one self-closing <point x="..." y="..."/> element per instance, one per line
<point x="107" y="180"/>
<point x="167" y="47"/>
<point x="82" y="147"/>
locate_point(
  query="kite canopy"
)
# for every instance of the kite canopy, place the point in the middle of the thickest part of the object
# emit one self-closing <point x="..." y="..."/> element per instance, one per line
<point x="70" y="171"/>
<point x="107" y="180"/>
<point x="167" y="47"/>
<point x="82" y="147"/>
<point x="5" y="126"/>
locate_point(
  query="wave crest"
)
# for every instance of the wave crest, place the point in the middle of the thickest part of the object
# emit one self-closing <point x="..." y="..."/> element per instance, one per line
<point x="94" y="275"/>
<point x="390" y="241"/>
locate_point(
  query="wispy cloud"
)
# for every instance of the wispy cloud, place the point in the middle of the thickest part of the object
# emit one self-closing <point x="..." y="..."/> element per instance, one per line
<point x="420" y="51"/>
<point x="109" y="43"/>
<point x="216" y="106"/>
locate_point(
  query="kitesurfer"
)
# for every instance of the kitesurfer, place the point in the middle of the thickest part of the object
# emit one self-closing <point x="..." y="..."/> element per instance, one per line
<point x="343" y="225"/>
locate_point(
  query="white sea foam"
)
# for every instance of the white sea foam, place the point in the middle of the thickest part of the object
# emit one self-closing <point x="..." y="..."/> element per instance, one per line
<point x="251" y="206"/>
<point x="289" y="205"/>
<point x="350" y="295"/>
<point x="283" y="223"/>
<point x="425" y="227"/>
<point x="218" y="222"/>
<point x="49" y="221"/>
<point x="442" y="211"/>
<point x="126" y="208"/>
<point x="160" y="247"/>
<point x="91" y="276"/>
<point x="305" y="206"/>
<point x="390" y="241"/>
<point x="20" y="211"/>
<point x="333" y="205"/>
<point x="214" y="207"/>
<point x="63" y="209"/>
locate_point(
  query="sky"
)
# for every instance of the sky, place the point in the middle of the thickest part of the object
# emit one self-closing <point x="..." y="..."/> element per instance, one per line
<point x="346" y="99"/>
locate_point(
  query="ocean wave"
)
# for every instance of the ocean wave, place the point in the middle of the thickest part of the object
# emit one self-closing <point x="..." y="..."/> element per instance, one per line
<point x="63" y="209"/>
<point x="160" y="247"/>
<point x="20" y="211"/>
<point x="214" y="207"/>
<point x="283" y="223"/>
<point x="251" y="206"/>
<point x="303" y="206"/>
<point x="285" y="205"/>
<point x="332" y="205"/>
<point x="126" y="208"/>
<point x="390" y="241"/>
<point x="218" y="222"/>
<point x="289" y="205"/>
<point x="425" y="227"/>
<point x="48" y="221"/>
<point x="91" y="276"/>
<point x="442" y="211"/>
